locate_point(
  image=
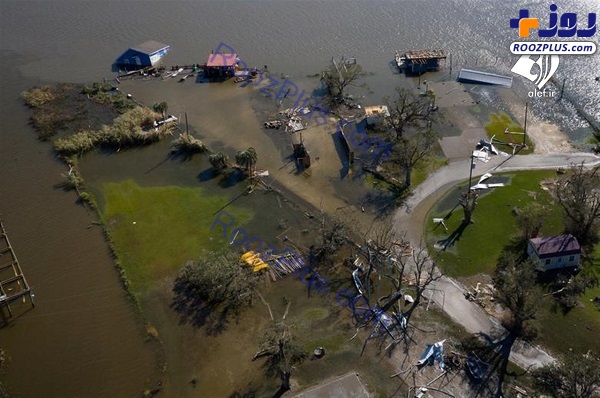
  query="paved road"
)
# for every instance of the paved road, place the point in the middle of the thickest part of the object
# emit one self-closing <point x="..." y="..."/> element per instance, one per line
<point x="459" y="170"/>
<point x="412" y="218"/>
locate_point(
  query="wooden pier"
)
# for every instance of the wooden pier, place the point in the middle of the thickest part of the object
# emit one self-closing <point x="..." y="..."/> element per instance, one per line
<point x="13" y="285"/>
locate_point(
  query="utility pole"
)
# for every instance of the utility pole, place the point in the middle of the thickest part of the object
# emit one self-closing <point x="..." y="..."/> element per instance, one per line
<point x="525" y="125"/>
<point x="471" y="167"/>
<point x="562" y="90"/>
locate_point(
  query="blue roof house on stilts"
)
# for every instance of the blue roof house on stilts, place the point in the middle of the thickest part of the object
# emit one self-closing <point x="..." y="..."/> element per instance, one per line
<point x="144" y="55"/>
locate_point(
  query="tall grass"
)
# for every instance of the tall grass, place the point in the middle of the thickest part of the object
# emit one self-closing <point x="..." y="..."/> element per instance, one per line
<point x="126" y="131"/>
<point x="38" y="96"/>
<point x="48" y="123"/>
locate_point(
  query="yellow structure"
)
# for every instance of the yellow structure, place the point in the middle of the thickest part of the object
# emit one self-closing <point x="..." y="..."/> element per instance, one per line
<point x="253" y="259"/>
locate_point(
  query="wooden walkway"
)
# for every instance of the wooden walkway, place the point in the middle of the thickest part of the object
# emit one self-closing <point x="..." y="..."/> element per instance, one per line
<point x="13" y="285"/>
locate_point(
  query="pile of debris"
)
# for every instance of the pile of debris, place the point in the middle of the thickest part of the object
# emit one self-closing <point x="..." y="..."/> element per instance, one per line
<point x="290" y="118"/>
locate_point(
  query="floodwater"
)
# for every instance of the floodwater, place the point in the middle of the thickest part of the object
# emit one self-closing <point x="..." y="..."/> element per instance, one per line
<point x="69" y="345"/>
<point x="83" y="338"/>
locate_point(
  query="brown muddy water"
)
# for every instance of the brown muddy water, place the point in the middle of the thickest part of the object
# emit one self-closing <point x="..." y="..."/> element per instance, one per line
<point x="221" y="364"/>
<point x="83" y="338"/>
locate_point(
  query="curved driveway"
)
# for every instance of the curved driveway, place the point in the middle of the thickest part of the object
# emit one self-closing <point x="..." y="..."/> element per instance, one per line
<point x="411" y="219"/>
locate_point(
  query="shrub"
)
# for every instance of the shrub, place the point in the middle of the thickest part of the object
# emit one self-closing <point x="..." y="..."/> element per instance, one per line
<point x="188" y="143"/>
<point x="48" y="123"/>
<point x="76" y="144"/>
<point x="72" y="180"/>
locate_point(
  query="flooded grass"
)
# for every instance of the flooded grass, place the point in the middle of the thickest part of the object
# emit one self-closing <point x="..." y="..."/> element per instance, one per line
<point x="157" y="229"/>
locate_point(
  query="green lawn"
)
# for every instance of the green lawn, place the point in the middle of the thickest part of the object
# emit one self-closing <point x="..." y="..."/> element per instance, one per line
<point x="479" y="246"/>
<point x="477" y="249"/>
<point x="579" y="328"/>
<point x="496" y="126"/>
<point x="156" y="230"/>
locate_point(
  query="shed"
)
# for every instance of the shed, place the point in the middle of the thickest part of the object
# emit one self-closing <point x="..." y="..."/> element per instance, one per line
<point x="554" y="252"/>
<point x="143" y="55"/>
<point x="375" y="114"/>
<point x="421" y="61"/>
<point x="479" y="77"/>
<point x="221" y="64"/>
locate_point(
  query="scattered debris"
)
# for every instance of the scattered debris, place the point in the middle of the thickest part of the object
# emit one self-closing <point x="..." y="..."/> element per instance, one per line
<point x="481" y="155"/>
<point x="480" y="184"/>
<point x="441" y="221"/>
<point x="433" y="352"/>
<point x="273" y="124"/>
<point x="475" y="367"/>
<point x="294" y="124"/>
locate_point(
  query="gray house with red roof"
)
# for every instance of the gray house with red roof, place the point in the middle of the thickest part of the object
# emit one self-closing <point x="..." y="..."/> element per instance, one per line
<point x="554" y="252"/>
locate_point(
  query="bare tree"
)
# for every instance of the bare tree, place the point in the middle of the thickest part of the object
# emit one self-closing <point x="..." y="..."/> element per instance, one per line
<point x="468" y="202"/>
<point x="414" y="273"/>
<point x="283" y="352"/>
<point x="578" y="376"/>
<point x="421" y="271"/>
<point x="578" y="193"/>
<point x="517" y="290"/>
<point x="409" y="151"/>
<point x="530" y="220"/>
<point x="379" y="247"/>
<point x="406" y="110"/>
<point x="340" y="75"/>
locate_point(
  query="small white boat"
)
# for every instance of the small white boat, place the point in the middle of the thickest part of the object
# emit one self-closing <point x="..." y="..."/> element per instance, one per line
<point x="177" y="72"/>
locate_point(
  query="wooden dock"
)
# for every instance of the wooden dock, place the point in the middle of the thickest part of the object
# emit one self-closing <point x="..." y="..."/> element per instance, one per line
<point x="13" y="285"/>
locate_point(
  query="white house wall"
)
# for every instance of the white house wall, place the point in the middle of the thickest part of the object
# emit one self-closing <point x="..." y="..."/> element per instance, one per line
<point x="553" y="262"/>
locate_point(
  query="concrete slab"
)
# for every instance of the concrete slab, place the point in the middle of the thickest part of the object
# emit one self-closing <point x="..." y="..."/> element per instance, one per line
<point x="346" y="386"/>
<point x="460" y="147"/>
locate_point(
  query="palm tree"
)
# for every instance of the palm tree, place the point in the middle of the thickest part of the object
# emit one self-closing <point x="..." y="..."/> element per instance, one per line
<point x="219" y="160"/>
<point x="161" y="108"/>
<point x="247" y="159"/>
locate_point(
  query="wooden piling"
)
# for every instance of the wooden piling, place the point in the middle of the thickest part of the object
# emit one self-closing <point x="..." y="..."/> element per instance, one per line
<point x="17" y="278"/>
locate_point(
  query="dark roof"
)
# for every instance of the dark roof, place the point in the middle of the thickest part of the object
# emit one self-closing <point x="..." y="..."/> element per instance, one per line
<point x="555" y="245"/>
<point x="475" y="76"/>
<point x="149" y="47"/>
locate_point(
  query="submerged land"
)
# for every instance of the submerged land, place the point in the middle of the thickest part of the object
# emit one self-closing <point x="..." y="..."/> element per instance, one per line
<point x="157" y="208"/>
